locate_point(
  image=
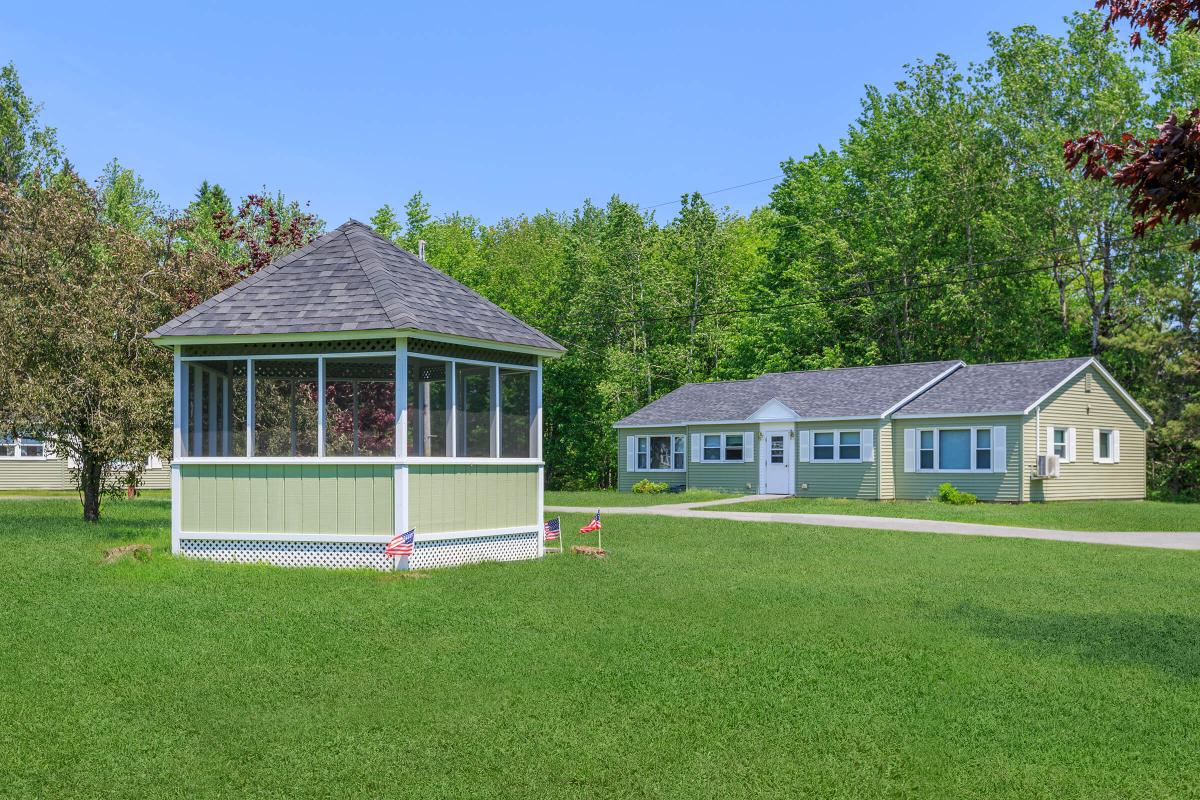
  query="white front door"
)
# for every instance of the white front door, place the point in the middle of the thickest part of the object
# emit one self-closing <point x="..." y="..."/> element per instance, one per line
<point x="777" y="460"/>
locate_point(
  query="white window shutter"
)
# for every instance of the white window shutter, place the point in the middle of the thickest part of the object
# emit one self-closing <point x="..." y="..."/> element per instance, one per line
<point x="804" y="445"/>
<point x="1000" y="449"/>
<point x="910" y="450"/>
<point x="868" y="444"/>
<point x="697" y="449"/>
<point x="1049" y="440"/>
<point x="631" y="453"/>
<point x="1070" y="445"/>
<point x="749" y="442"/>
<point x="1115" y="446"/>
<point x="1095" y="445"/>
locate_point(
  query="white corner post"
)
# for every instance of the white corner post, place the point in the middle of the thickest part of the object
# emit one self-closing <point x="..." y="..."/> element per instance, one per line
<point x="541" y="476"/>
<point x="400" y="474"/>
<point x="250" y="406"/>
<point x="178" y="410"/>
<point x="495" y="444"/>
<point x="321" y="407"/>
<point x="451" y="409"/>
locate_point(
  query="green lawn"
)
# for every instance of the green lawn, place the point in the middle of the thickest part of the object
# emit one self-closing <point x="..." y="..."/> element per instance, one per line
<point x="704" y="659"/>
<point x="1082" y="515"/>
<point x="600" y="498"/>
<point x="145" y="493"/>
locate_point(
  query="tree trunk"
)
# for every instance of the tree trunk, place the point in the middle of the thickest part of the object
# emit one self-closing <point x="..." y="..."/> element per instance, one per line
<point x="91" y="474"/>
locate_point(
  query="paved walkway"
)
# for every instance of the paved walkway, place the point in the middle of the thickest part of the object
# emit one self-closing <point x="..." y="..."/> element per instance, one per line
<point x="1171" y="541"/>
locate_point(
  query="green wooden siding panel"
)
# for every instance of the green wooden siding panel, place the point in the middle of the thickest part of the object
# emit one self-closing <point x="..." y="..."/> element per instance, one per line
<point x="988" y="486"/>
<point x="287" y="498"/>
<point x="722" y="476"/>
<point x="447" y="497"/>
<point x="1073" y="406"/>
<point x="850" y="479"/>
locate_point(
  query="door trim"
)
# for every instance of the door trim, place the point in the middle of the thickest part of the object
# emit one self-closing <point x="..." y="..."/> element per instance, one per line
<point x="788" y="430"/>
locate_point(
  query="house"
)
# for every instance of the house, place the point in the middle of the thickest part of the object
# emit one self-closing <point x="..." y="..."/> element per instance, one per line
<point x="27" y="463"/>
<point x="1033" y="430"/>
<point x="295" y="445"/>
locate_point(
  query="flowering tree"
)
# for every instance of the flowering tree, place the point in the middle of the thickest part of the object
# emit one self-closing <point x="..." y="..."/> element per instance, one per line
<point x="1162" y="173"/>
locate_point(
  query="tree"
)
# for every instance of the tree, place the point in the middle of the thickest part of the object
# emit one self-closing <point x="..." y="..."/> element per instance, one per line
<point x="416" y="217"/>
<point x="78" y="294"/>
<point x="207" y="210"/>
<point x="126" y="201"/>
<point x="267" y="227"/>
<point x="386" y="223"/>
<point x="1162" y="172"/>
<point x="28" y="150"/>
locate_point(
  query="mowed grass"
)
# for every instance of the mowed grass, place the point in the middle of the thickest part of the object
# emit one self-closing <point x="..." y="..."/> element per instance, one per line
<point x="703" y="659"/>
<point x="1079" y="515"/>
<point x="608" y="497"/>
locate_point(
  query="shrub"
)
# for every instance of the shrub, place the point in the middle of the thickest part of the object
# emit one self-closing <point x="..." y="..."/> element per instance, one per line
<point x="647" y="486"/>
<point x="948" y="494"/>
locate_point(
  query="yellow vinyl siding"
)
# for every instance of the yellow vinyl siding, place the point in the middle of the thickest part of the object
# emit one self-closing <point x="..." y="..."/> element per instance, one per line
<point x="1073" y="406"/>
<point x="34" y="473"/>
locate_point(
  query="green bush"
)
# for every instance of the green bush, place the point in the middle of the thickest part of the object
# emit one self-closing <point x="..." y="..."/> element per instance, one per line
<point x="647" y="486"/>
<point x="948" y="494"/>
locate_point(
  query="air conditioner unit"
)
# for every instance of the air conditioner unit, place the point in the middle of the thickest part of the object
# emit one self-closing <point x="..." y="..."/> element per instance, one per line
<point x="1047" y="466"/>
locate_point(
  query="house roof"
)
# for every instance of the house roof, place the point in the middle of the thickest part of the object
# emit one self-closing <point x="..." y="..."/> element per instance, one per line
<point x="816" y="394"/>
<point x="1008" y="388"/>
<point x="352" y="279"/>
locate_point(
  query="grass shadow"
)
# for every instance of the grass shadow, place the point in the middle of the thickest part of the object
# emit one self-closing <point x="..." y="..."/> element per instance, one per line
<point x="1169" y="643"/>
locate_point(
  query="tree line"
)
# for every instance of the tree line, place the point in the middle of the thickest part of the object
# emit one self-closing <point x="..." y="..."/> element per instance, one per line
<point x="944" y="224"/>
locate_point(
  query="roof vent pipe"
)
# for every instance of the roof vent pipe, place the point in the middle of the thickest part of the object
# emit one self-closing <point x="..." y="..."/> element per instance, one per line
<point x="421" y="249"/>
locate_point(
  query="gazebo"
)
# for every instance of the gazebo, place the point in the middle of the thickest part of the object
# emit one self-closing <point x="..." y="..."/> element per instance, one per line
<point x="295" y="445"/>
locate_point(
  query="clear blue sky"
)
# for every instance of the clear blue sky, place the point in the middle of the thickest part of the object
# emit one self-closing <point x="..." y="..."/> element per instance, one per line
<point x="492" y="109"/>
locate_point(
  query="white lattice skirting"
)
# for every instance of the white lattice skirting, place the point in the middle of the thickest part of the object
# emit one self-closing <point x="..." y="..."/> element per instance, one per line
<point x="369" y="555"/>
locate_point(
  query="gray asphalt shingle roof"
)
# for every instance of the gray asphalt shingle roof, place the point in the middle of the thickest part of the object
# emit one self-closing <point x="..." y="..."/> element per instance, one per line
<point x="1008" y="388"/>
<point x="826" y="393"/>
<point x="351" y="279"/>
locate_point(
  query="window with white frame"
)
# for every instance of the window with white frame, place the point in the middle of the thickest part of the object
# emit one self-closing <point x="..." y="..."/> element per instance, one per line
<point x="1059" y="442"/>
<point x="660" y="453"/>
<point x="837" y="446"/>
<point x="1105" y="445"/>
<point x="954" y="450"/>
<point x="21" y="447"/>
<point x="723" y="447"/>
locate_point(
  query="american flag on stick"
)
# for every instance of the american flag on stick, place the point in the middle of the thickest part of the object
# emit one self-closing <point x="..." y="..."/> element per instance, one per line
<point x="401" y="544"/>
<point x="592" y="526"/>
<point x="552" y="529"/>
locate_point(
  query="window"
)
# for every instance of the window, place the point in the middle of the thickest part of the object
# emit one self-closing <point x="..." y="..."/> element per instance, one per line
<point x="927" y="452"/>
<point x="1104" y="446"/>
<point x="849" y="446"/>
<point x="473" y="401"/>
<point x="360" y="406"/>
<point x="823" y="446"/>
<point x="777" y="449"/>
<point x="954" y="450"/>
<point x="733" y="447"/>
<point x="1060" y="443"/>
<point x="428" y="408"/>
<point x="285" y="407"/>
<point x="712" y="447"/>
<point x="660" y="453"/>
<point x="21" y="447"/>
<point x="983" y="449"/>
<point x="215" y="408"/>
<point x="837" y="445"/>
<point x="517" y="414"/>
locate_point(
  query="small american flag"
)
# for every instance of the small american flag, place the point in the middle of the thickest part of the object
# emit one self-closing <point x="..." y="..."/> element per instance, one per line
<point x="553" y="529"/>
<point x="594" y="525"/>
<point x="401" y="544"/>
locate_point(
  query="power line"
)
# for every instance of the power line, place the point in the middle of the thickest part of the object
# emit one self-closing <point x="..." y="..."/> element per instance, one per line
<point x="718" y="191"/>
